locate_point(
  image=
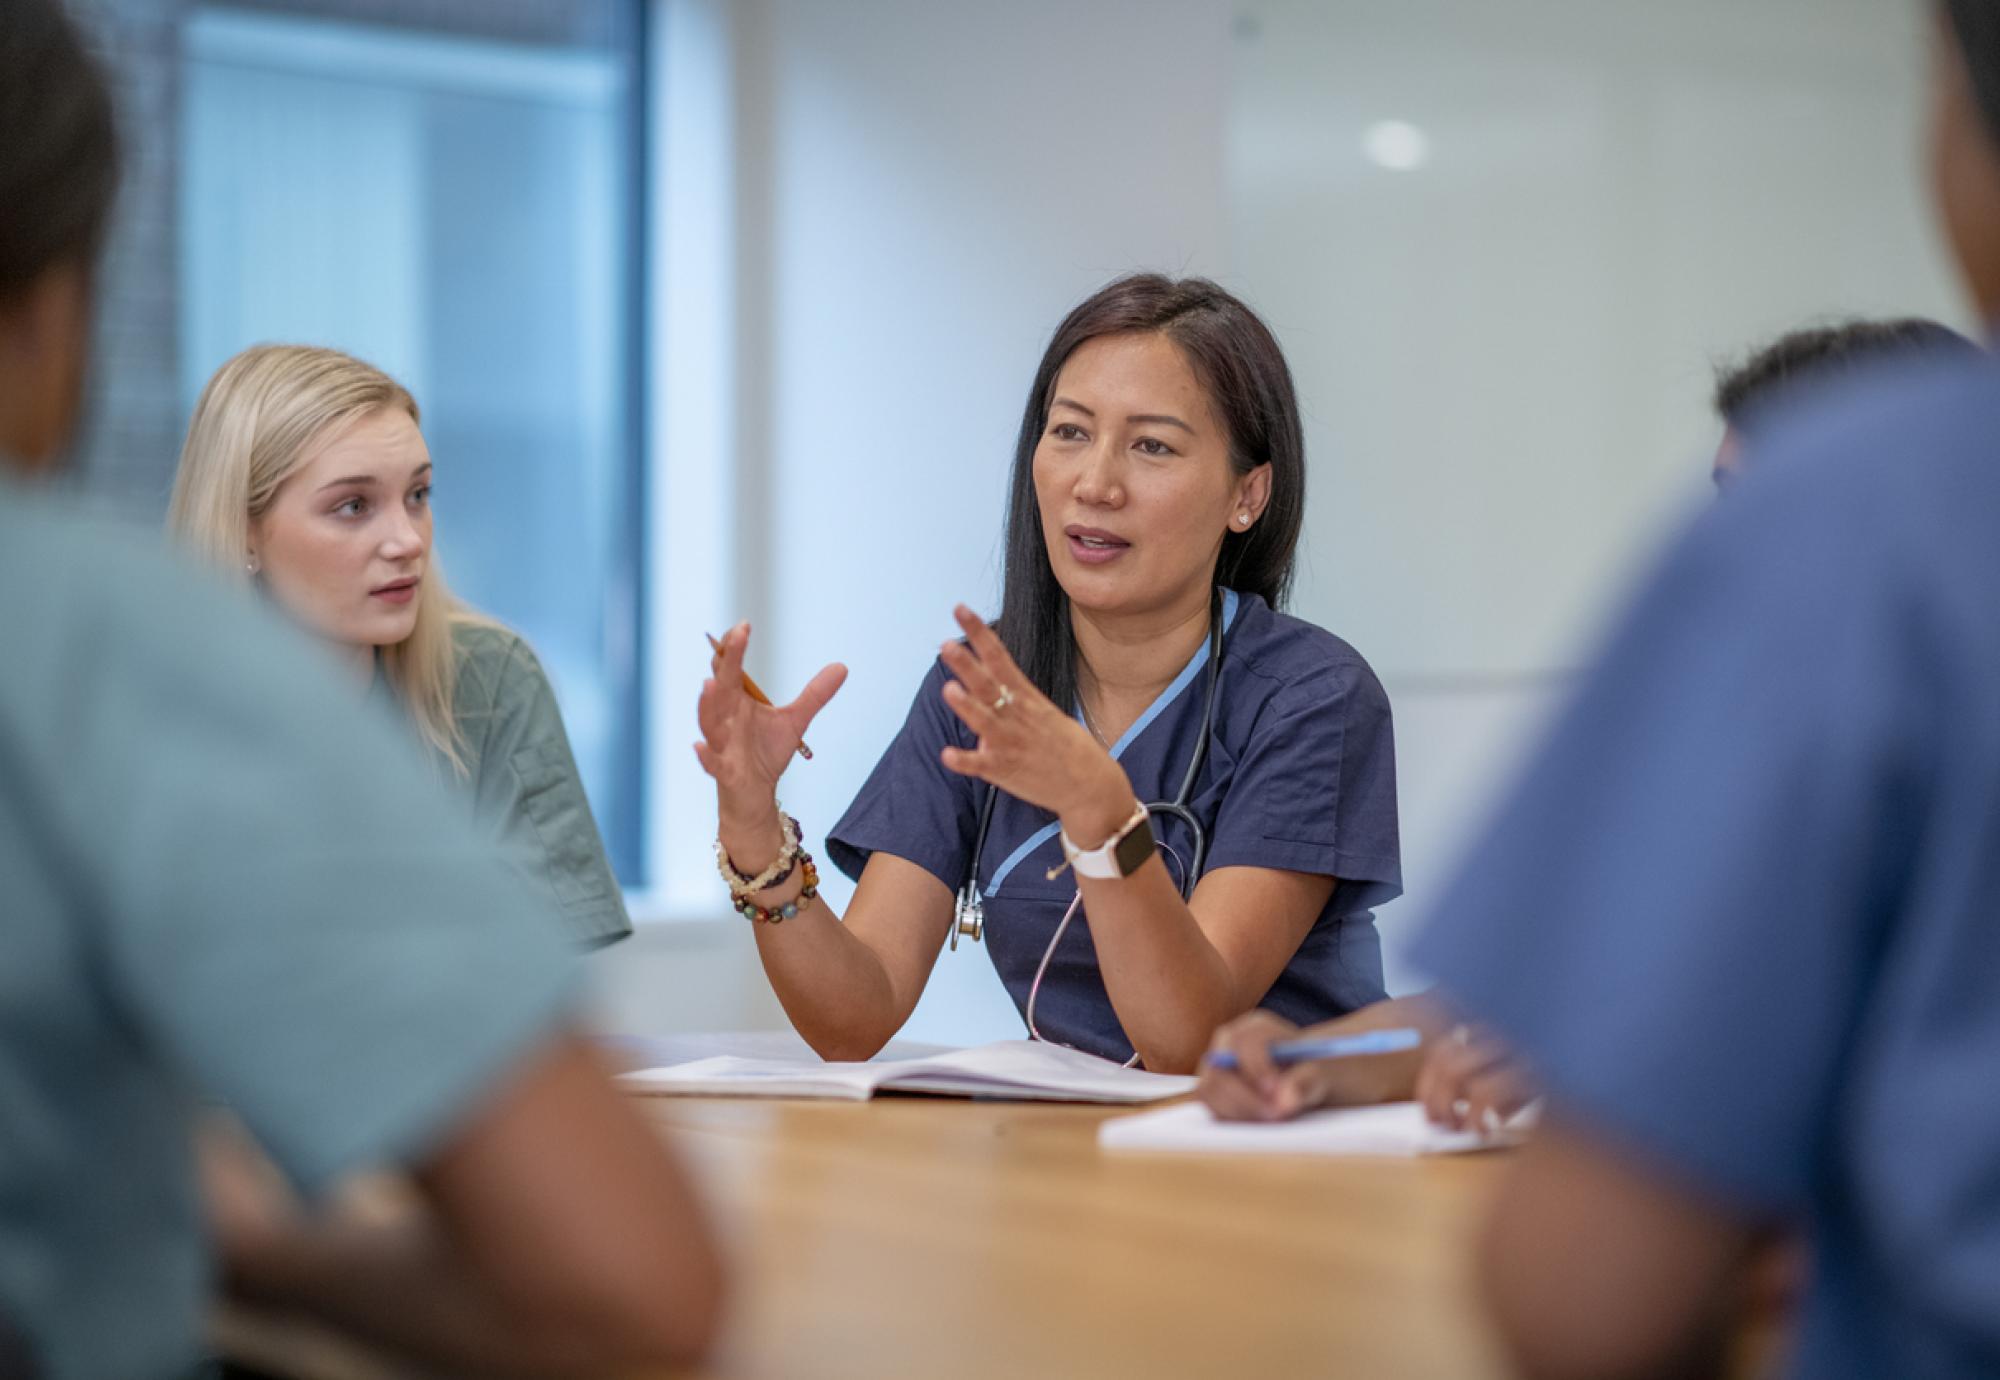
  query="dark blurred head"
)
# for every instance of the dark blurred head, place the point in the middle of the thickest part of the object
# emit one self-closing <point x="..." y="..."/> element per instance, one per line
<point x="58" y="177"/>
<point x="1965" y="142"/>
<point x="1818" y="356"/>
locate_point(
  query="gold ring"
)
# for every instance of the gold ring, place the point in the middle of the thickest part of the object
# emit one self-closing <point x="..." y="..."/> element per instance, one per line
<point x="1003" y="699"/>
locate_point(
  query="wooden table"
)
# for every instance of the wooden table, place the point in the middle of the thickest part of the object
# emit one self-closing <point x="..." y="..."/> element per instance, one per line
<point x="937" y="1237"/>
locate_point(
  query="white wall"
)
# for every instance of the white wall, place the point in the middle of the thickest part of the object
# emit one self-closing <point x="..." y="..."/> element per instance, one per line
<point x="921" y="191"/>
<point x="947" y="181"/>
<point x="1504" y="356"/>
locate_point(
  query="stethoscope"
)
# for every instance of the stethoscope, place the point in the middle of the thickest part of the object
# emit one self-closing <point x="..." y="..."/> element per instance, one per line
<point x="969" y="910"/>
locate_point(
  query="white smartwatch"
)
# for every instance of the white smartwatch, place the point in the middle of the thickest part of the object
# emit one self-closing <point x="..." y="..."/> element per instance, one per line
<point x="1118" y="856"/>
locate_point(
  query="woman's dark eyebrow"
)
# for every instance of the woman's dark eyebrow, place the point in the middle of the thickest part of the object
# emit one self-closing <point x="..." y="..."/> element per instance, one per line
<point x="1138" y="419"/>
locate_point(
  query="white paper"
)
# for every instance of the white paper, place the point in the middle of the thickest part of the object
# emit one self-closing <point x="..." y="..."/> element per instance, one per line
<point x="1395" y="1128"/>
<point x="1028" y="1070"/>
<point x="659" y="1051"/>
<point x="729" y="1075"/>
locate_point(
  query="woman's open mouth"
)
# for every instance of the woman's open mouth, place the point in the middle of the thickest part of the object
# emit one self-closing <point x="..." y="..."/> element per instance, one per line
<point x="1094" y="546"/>
<point x="396" y="591"/>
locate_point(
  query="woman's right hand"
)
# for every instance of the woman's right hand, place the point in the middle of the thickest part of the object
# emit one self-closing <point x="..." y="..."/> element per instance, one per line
<point x="1257" y="1089"/>
<point x="746" y="746"/>
<point x="1251" y="1090"/>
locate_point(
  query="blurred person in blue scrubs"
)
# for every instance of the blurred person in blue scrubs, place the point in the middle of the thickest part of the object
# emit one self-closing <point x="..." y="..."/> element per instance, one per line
<point x="304" y="472"/>
<point x="1739" y="912"/>
<point x="1464" y="1075"/>
<point x="222" y="880"/>
<point x="1157" y="493"/>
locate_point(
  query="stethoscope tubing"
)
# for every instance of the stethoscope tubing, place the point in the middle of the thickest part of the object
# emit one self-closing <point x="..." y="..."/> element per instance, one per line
<point x="971" y="901"/>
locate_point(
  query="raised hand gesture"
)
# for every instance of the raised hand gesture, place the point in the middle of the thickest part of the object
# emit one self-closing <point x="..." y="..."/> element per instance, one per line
<point x="745" y="745"/>
<point x="1027" y="746"/>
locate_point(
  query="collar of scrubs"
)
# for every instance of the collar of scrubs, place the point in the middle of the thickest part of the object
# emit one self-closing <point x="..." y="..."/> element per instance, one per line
<point x="1179" y="683"/>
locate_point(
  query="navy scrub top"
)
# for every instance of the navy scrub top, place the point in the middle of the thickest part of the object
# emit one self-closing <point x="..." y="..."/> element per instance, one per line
<point x="1741" y="911"/>
<point x="1300" y="776"/>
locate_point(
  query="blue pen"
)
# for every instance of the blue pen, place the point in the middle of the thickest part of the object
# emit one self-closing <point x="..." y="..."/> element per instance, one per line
<point x="1336" y="1047"/>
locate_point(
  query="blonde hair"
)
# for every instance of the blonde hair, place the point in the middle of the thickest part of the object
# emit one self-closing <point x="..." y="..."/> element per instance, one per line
<point x="257" y="423"/>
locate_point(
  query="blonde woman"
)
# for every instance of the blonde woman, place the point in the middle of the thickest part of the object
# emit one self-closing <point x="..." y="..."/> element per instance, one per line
<point x="305" y="471"/>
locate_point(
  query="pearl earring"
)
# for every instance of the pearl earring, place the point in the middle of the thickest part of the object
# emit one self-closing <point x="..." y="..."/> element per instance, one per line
<point x="251" y="565"/>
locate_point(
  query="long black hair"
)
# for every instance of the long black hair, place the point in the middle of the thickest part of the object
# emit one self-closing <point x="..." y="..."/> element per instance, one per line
<point x="58" y="146"/>
<point x="1237" y="360"/>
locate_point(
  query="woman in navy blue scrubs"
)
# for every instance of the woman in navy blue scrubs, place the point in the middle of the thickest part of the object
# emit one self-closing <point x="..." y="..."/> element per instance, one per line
<point x="1157" y="495"/>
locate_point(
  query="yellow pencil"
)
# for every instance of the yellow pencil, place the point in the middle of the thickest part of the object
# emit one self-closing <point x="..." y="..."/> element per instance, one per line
<point x="751" y="689"/>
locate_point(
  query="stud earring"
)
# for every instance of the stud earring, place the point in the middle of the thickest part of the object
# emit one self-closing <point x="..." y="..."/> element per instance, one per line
<point x="1242" y="519"/>
<point x="251" y="565"/>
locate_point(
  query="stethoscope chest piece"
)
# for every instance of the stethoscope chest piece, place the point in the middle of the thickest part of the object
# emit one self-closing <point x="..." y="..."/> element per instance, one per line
<point x="969" y="915"/>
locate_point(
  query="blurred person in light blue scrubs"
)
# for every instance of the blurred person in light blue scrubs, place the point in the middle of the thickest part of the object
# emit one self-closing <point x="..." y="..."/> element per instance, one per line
<point x="1739" y="913"/>
<point x="220" y="879"/>
<point x="1158" y="490"/>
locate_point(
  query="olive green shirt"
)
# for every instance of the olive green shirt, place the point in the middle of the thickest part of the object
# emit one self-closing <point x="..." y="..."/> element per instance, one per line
<point x="526" y="793"/>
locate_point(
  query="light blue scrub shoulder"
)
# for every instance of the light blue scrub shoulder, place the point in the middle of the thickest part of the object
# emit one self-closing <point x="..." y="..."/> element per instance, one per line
<point x="222" y="879"/>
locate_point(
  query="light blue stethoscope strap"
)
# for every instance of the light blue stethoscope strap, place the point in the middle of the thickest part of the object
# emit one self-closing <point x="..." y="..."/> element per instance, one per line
<point x="1230" y="601"/>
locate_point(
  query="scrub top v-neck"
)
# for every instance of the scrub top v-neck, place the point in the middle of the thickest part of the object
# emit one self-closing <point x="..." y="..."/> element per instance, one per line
<point x="1300" y="777"/>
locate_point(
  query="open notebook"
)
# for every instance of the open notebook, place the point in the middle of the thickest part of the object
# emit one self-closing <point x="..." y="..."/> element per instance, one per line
<point x="1396" y="1128"/>
<point x="1027" y="1070"/>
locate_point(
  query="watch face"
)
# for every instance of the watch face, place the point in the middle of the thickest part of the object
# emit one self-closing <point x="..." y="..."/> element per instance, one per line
<point x="1134" y="848"/>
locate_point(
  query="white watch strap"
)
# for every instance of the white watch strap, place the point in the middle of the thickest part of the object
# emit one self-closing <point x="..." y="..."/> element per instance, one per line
<point x="1101" y="862"/>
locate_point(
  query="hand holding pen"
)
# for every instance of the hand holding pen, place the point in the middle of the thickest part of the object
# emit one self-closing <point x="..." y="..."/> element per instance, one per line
<point x="747" y="742"/>
<point x="752" y="689"/>
<point x="1259" y="1068"/>
<point x="1285" y="1053"/>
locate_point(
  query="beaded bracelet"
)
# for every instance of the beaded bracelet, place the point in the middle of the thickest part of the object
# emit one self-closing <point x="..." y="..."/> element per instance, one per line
<point x="780" y="868"/>
<point x="772" y="915"/>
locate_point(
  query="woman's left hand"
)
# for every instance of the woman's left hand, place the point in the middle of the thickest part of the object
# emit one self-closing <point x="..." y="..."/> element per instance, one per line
<point x="1028" y="747"/>
<point x="1471" y="1081"/>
